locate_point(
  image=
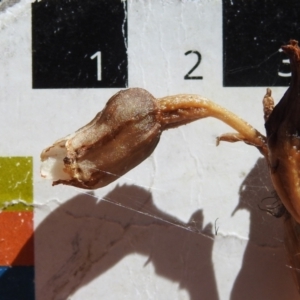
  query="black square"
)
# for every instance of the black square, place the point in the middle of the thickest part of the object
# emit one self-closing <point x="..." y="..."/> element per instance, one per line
<point x="253" y="32"/>
<point x="79" y="44"/>
<point x="17" y="282"/>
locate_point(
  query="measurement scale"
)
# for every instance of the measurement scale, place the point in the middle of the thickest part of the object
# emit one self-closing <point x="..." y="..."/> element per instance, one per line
<point x="186" y="223"/>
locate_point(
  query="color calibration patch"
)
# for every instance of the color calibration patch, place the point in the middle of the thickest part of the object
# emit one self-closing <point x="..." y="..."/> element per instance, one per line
<point x="16" y="223"/>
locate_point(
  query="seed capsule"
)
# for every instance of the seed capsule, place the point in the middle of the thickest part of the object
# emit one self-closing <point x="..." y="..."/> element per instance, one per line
<point x="115" y="141"/>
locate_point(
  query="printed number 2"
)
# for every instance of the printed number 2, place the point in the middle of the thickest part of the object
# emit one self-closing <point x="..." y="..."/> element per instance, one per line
<point x="99" y="67"/>
<point x="187" y="76"/>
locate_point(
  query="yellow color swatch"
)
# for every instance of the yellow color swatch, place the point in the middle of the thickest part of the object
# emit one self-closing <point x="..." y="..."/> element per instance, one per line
<point x="16" y="186"/>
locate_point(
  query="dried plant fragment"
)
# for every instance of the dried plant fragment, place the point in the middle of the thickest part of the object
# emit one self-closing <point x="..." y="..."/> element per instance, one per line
<point x="268" y="104"/>
<point x="292" y="245"/>
<point x="126" y="132"/>
<point x="283" y="139"/>
<point x="115" y="141"/>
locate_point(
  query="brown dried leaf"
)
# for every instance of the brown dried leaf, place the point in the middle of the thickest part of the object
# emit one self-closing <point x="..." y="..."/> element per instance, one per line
<point x="283" y="139"/>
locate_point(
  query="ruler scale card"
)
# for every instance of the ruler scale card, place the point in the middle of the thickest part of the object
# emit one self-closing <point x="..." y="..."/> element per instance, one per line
<point x="187" y="223"/>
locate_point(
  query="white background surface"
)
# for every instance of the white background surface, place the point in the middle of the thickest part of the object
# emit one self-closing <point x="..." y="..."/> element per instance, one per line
<point x="159" y="242"/>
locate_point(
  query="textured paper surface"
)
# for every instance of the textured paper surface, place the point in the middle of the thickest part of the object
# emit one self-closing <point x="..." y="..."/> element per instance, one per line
<point x="186" y="223"/>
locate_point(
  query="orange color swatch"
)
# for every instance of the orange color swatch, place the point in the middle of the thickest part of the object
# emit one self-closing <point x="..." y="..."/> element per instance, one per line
<point x="16" y="238"/>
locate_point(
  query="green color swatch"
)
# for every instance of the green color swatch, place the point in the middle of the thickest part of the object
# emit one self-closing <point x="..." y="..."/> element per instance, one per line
<point x="16" y="183"/>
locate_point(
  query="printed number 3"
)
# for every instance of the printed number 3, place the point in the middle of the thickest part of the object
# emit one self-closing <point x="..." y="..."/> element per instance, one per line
<point x="285" y="61"/>
<point x="99" y="67"/>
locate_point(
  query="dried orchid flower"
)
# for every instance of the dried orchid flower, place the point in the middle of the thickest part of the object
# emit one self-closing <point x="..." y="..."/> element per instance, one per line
<point x="128" y="129"/>
<point x="126" y="132"/>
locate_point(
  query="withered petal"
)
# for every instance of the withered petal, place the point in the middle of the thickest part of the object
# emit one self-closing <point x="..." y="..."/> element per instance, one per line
<point x="283" y="138"/>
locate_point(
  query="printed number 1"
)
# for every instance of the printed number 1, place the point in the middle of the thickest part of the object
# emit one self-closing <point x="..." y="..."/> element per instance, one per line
<point x="99" y="67"/>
